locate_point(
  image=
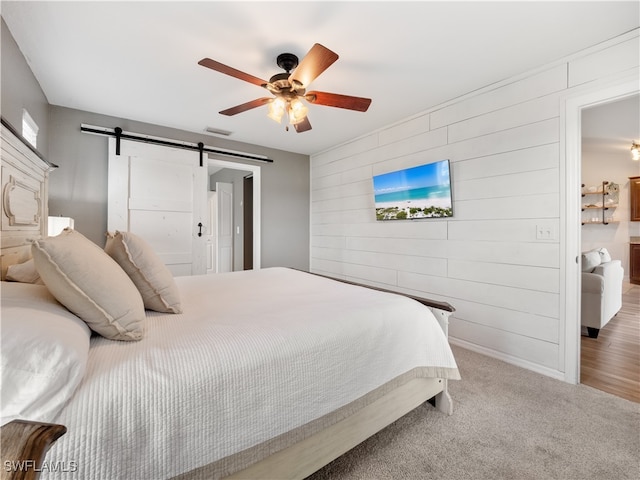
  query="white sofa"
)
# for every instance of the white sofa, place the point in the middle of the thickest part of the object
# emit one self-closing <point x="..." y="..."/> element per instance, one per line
<point x="601" y="290"/>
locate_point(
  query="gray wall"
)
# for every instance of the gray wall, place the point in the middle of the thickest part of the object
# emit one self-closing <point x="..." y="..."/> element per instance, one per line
<point x="20" y="89"/>
<point x="79" y="187"/>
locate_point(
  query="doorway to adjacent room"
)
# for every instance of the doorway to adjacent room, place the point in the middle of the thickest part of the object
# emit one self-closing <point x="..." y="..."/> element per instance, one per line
<point x="246" y="180"/>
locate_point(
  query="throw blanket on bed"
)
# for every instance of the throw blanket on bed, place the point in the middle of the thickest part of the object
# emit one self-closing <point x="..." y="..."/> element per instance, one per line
<point x="255" y="354"/>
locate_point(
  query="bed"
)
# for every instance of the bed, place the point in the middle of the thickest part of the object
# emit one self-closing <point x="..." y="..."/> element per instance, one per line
<point x="270" y="373"/>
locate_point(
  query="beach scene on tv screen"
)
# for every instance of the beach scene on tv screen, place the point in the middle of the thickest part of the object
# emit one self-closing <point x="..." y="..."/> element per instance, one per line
<point x="417" y="192"/>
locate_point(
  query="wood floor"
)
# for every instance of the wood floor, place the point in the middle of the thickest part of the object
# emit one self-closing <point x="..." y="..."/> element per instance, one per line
<point x="612" y="361"/>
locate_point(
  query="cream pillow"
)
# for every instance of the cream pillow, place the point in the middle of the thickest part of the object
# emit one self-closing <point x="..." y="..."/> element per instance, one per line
<point x="605" y="256"/>
<point x="590" y="260"/>
<point x="91" y="284"/>
<point x="24" y="272"/>
<point x="149" y="274"/>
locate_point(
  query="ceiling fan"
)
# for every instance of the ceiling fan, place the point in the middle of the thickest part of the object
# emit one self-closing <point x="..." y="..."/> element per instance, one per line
<point x="288" y="88"/>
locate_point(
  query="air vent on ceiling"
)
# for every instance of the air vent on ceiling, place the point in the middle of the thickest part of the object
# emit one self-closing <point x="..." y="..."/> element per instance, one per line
<point x="217" y="131"/>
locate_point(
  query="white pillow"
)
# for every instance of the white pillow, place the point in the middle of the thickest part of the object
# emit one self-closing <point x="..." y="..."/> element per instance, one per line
<point x="91" y="284"/>
<point x="604" y="255"/>
<point x="44" y="350"/>
<point x="24" y="272"/>
<point x="590" y="260"/>
<point x="149" y="274"/>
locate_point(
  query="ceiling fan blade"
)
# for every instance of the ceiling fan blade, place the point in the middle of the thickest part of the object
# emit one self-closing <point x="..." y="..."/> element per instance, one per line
<point x="303" y="126"/>
<point x="258" y="102"/>
<point x="336" y="100"/>
<point x="219" y="67"/>
<point x="316" y="61"/>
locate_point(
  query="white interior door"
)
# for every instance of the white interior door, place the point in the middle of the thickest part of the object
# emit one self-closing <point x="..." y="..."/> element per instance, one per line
<point x="224" y="226"/>
<point x="159" y="193"/>
<point x="212" y="249"/>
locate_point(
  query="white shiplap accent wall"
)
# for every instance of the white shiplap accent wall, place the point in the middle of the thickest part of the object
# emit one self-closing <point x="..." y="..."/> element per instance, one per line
<point x="504" y="146"/>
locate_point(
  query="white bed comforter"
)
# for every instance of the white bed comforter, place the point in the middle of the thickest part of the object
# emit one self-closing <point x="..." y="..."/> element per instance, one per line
<point x="255" y="354"/>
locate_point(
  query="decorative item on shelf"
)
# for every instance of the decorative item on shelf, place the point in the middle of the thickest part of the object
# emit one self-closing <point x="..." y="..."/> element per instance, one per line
<point x="613" y="191"/>
<point x="606" y="200"/>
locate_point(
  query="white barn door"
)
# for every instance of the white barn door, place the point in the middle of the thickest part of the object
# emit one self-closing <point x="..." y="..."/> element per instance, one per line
<point x="160" y="194"/>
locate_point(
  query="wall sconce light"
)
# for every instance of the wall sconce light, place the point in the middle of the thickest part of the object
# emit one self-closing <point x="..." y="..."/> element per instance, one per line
<point x="635" y="151"/>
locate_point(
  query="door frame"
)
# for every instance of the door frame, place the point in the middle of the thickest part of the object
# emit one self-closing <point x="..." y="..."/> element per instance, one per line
<point x="256" y="171"/>
<point x="616" y="88"/>
<point x="247" y="221"/>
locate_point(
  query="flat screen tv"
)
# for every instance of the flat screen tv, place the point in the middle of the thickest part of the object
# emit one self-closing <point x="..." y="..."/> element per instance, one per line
<point x="412" y="193"/>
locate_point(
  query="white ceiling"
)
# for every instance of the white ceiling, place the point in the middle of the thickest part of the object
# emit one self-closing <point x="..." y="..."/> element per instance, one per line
<point x="613" y="126"/>
<point x="138" y="60"/>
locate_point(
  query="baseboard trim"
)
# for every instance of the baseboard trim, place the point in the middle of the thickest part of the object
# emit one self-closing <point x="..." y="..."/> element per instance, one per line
<point x="518" y="362"/>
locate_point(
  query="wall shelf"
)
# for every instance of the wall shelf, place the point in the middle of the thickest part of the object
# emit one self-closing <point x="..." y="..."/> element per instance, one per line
<point x="601" y="198"/>
<point x="600" y="222"/>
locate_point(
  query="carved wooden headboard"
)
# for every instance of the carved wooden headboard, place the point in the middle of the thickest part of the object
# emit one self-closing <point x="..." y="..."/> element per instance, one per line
<point x="25" y="179"/>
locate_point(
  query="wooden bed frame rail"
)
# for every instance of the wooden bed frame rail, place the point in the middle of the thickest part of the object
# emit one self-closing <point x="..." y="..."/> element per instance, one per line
<point x="309" y="455"/>
<point x="24" y="445"/>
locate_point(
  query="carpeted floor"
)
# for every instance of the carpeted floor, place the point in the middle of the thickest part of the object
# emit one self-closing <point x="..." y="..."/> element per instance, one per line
<point x="508" y="423"/>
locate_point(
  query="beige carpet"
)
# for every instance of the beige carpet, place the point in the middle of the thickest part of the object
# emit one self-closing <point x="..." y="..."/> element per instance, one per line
<point x="508" y="423"/>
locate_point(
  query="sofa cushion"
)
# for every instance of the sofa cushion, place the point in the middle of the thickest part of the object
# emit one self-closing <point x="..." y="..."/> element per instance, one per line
<point x="592" y="283"/>
<point x="590" y="260"/>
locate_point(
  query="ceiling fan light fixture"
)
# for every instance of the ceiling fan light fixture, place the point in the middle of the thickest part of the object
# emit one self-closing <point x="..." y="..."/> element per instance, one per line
<point x="297" y="111"/>
<point x="276" y="109"/>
